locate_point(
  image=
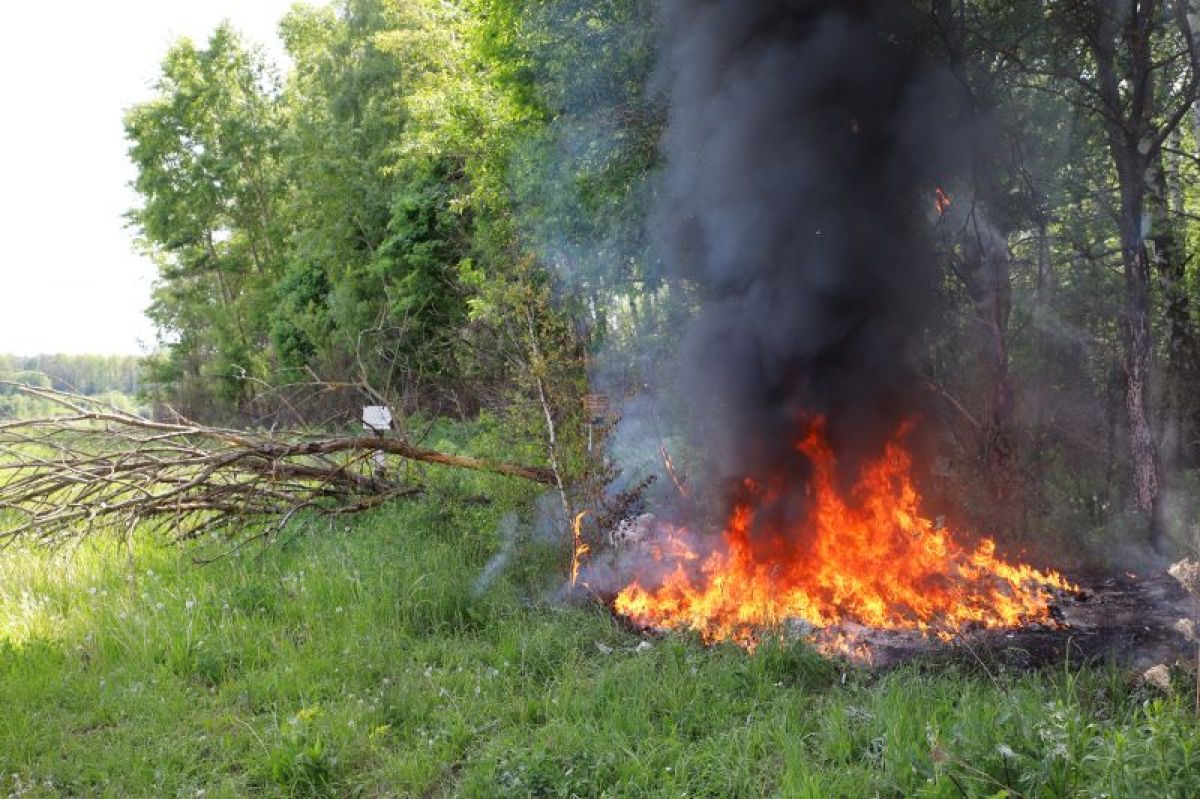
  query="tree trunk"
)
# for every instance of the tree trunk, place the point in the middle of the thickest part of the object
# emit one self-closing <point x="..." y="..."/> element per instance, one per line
<point x="985" y="273"/>
<point x="1001" y="453"/>
<point x="1170" y="261"/>
<point x="1121" y="44"/>
<point x="1042" y="302"/>
<point x="1187" y="17"/>
<point x="1143" y="448"/>
<point x="536" y="366"/>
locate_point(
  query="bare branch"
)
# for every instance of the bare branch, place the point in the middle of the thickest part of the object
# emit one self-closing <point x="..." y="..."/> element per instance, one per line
<point x="97" y="466"/>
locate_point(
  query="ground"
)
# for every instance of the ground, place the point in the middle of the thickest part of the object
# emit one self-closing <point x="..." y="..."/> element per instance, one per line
<point x="367" y="658"/>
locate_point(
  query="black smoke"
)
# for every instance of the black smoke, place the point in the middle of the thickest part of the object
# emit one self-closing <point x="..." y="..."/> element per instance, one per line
<point x="803" y="148"/>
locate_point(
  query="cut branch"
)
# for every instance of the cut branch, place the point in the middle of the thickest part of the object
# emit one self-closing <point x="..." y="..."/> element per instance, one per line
<point x="97" y="466"/>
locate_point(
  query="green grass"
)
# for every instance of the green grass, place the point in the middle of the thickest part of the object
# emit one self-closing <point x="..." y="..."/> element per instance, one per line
<point x="361" y="660"/>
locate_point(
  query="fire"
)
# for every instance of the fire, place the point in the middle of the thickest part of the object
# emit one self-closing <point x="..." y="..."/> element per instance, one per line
<point x="941" y="201"/>
<point x="868" y="557"/>
<point x="670" y="466"/>
<point x="579" y="549"/>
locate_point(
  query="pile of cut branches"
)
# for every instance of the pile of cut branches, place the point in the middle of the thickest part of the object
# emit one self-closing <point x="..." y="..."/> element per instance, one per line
<point x="94" y="466"/>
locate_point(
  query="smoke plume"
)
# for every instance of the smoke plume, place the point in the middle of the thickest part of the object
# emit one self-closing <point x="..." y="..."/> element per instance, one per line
<point x="802" y="147"/>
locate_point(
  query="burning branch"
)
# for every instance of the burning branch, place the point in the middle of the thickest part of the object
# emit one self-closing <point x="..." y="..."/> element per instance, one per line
<point x="579" y="549"/>
<point x="941" y="202"/>
<point x="96" y="466"/>
<point x="680" y="486"/>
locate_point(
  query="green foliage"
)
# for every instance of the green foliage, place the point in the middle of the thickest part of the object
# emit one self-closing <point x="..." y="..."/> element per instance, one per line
<point x="208" y="159"/>
<point x="300" y="763"/>
<point x="361" y="218"/>
<point x="285" y="226"/>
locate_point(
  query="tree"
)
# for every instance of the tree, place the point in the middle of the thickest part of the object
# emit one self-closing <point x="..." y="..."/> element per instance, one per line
<point x="207" y="153"/>
<point x="1139" y="104"/>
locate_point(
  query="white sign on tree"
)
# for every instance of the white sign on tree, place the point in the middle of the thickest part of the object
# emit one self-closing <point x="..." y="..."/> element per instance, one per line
<point x="377" y="418"/>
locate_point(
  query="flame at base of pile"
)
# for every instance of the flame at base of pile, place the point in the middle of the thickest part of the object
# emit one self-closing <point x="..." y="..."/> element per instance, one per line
<point x="868" y="558"/>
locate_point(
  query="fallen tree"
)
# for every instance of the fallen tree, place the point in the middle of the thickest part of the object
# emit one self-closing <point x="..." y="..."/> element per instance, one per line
<point x="96" y="466"/>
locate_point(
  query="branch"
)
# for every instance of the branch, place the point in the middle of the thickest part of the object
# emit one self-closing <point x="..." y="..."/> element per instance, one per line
<point x="97" y="466"/>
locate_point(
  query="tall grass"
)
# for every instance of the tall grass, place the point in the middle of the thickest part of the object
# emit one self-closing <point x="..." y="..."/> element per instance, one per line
<point x="360" y="660"/>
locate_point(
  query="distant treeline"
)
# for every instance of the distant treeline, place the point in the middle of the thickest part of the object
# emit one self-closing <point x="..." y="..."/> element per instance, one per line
<point x="84" y="374"/>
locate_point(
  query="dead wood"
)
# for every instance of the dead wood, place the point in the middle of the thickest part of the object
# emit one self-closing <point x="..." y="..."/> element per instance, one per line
<point x="96" y="466"/>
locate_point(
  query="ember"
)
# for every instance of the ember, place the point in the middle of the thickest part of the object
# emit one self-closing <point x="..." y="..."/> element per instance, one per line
<point x="868" y="558"/>
<point x="941" y="202"/>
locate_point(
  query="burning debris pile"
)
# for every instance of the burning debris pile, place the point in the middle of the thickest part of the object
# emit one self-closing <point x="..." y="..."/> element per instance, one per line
<point x="862" y="559"/>
<point x="869" y="557"/>
<point x="867" y="577"/>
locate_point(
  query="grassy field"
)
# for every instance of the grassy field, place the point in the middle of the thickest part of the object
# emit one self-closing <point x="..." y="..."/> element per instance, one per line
<point x="366" y="659"/>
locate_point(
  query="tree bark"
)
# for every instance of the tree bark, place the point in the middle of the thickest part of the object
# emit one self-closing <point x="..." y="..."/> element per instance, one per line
<point x="1187" y="17"/>
<point x="1170" y="260"/>
<point x="1135" y="143"/>
<point x="1145" y="458"/>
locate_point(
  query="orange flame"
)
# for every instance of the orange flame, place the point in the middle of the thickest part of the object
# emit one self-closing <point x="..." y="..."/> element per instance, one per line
<point x="580" y="548"/>
<point x="941" y="201"/>
<point x="670" y="465"/>
<point x="869" y="558"/>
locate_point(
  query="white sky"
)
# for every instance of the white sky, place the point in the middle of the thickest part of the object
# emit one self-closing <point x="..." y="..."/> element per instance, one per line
<point x="70" y="280"/>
